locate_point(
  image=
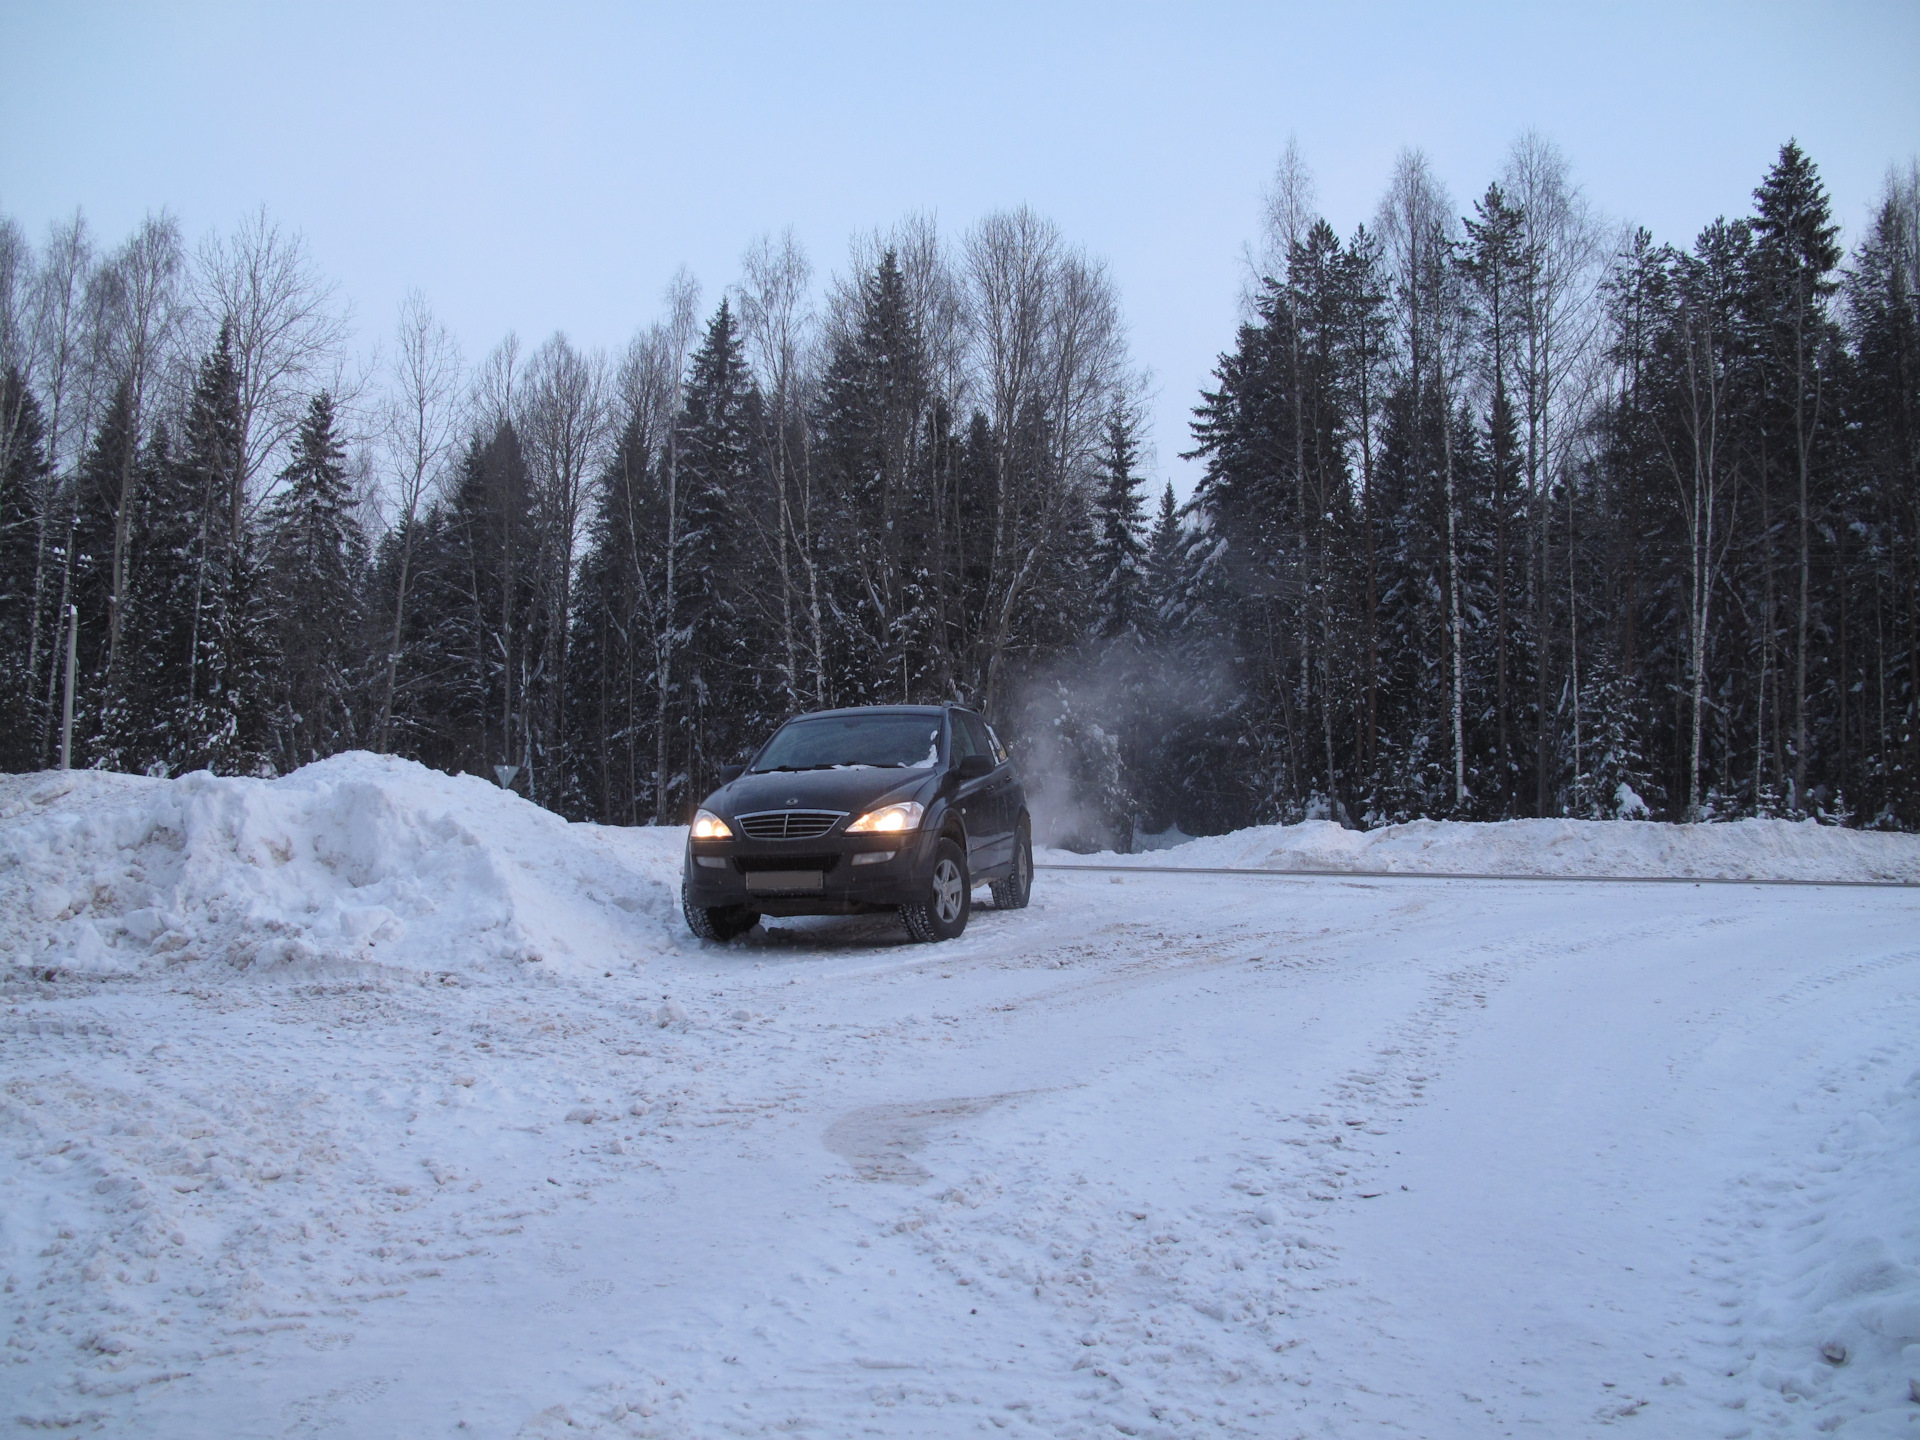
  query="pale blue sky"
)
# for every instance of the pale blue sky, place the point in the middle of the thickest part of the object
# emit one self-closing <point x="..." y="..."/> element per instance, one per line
<point x="548" y="166"/>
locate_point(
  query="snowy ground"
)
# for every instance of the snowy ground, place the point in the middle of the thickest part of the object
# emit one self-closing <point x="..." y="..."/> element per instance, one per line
<point x="373" y="1103"/>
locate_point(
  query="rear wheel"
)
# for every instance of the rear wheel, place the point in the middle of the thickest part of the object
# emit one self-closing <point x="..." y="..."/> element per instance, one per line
<point x="942" y="915"/>
<point x="1013" y="892"/>
<point x="717" y="922"/>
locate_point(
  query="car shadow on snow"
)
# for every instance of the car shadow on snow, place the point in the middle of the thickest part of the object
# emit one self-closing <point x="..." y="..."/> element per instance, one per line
<point x="831" y="934"/>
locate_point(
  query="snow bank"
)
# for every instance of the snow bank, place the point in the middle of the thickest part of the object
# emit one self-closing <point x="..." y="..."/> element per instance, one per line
<point x="1742" y="849"/>
<point x="358" y="861"/>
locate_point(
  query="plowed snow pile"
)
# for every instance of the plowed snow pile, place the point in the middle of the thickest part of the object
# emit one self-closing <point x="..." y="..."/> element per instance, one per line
<point x="1739" y="850"/>
<point x="359" y="861"/>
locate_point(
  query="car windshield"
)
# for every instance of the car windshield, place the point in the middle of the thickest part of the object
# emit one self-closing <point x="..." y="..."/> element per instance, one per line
<point x="843" y="742"/>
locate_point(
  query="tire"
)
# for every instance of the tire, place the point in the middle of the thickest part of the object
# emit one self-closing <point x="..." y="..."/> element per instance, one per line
<point x="1013" y="892"/>
<point x="720" y="922"/>
<point x="943" y="914"/>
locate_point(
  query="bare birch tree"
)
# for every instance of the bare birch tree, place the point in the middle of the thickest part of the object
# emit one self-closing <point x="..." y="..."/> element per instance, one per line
<point x="563" y="418"/>
<point x="1563" y="254"/>
<point x="69" y="386"/>
<point x="1047" y="348"/>
<point x="1416" y="224"/>
<point x="1695" y="448"/>
<point x="139" y="307"/>
<point x="422" y="423"/>
<point x="681" y="325"/>
<point x="285" y="326"/>
<point x="775" y="320"/>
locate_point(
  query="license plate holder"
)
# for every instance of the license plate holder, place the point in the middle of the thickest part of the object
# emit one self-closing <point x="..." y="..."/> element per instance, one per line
<point x="765" y="882"/>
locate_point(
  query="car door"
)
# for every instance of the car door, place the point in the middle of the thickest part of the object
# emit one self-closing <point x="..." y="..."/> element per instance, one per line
<point x="1006" y="790"/>
<point x="987" y="802"/>
<point x="970" y="799"/>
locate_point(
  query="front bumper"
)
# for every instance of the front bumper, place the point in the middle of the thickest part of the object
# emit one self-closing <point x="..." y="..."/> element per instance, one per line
<point x="755" y="873"/>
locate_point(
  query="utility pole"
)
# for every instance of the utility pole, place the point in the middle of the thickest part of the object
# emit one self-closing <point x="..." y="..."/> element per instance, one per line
<point x="66" y="706"/>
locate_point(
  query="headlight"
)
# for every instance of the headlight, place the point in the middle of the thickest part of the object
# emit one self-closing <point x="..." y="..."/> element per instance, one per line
<point x="709" y="826"/>
<point x="889" y="819"/>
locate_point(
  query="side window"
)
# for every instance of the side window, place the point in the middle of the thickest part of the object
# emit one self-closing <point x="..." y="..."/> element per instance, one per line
<point x="977" y="741"/>
<point x="998" y="750"/>
<point x="961" y="740"/>
<point x="956" y="740"/>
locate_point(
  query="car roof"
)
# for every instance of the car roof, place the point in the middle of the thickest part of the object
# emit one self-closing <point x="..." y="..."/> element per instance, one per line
<point x="927" y="710"/>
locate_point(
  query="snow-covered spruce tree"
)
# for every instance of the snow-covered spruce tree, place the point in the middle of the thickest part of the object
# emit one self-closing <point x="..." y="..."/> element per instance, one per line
<point x="1245" y="579"/>
<point x="727" y="703"/>
<point x="1614" y="781"/>
<point x="112" y="458"/>
<point x="23" y="466"/>
<point x="1283" y="553"/>
<point x="133" y="683"/>
<point x="1794" y="260"/>
<point x="316" y="578"/>
<point x="467" y="654"/>
<point x="1161" y="565"/>
<point x="610" y="704"/>
<point x="1119" y="559"/>
<point x="1883" y="310"/>
<point x="191" y="692"/>
<point x="873" y="465"/>
<point x="1491" y="260"/>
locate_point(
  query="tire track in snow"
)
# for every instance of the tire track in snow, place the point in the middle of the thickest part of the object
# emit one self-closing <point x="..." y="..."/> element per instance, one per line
<point x="1218" y="1294"/>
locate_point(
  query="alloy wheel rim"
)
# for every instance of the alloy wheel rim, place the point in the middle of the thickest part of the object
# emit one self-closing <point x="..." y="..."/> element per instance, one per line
<point x="946" y="891"/>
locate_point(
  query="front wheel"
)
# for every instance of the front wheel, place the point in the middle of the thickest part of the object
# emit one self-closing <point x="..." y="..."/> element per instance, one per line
<point x="1013" y="892"/>
<point x="718" y="922"/>
<point x="942" y="915"/>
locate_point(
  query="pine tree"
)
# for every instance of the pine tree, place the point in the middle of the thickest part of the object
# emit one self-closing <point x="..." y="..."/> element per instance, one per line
<point x="316" y="574"/>
<point x="112" y="454"/>
<point x="1883" y="303"/>
<point x="1795" y="257"/>
<point x="874" y="464"/>
<point x="611" y="707"/>
<point x="191" y="691"/>
<point x="725" y="703"/>
<point x="1119" y="562"/>
<point x="467" y="656"/>
<point x="1492" y="262"/>
<point x="141" y="685"/>
<point x="23" y="468"/>
<point x="1163" y="563"/>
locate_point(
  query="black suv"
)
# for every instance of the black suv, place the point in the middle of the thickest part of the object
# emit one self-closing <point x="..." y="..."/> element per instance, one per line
<point x="844" y="812"/>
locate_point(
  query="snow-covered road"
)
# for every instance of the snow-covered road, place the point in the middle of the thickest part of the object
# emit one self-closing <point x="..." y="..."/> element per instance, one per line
<point x="1160" y="1155"/>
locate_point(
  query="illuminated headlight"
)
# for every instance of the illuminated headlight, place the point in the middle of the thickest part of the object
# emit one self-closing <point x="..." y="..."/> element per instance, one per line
<point x="709" y="826"/>
<point x="889" y="819"/>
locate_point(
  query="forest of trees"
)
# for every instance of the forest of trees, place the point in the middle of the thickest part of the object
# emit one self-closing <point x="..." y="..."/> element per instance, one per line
<point x="1504" y="513"/>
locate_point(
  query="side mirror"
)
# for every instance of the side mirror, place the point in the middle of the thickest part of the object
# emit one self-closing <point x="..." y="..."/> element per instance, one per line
<point x="730" y="773"/>
<point x="975" y="767"/>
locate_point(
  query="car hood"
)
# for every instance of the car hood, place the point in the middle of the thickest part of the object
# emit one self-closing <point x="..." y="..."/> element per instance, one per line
<point x="853" y="790"/>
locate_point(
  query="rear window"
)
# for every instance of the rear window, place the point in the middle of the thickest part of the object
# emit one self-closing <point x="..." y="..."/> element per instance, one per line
<point x="901" y="742"/>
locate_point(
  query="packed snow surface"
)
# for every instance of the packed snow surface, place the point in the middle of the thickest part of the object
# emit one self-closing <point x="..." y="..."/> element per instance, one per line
<point x="371" y="1102"/>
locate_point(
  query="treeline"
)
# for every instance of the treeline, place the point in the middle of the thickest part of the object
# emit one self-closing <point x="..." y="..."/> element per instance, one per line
<point x="596" y="579"/>
<point x="1506" y="516"/>
<point x="1502" y="514"/>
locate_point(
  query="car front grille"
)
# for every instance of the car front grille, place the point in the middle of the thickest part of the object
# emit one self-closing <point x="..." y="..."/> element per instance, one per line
<point x="789" y="824"/>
